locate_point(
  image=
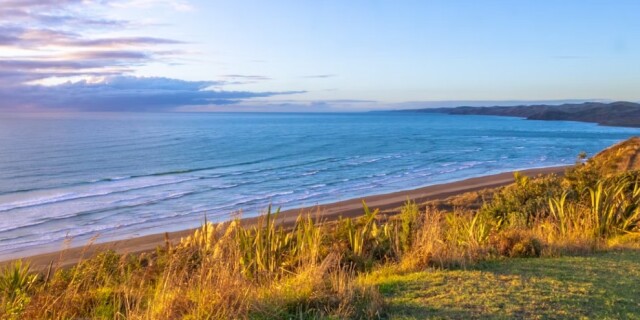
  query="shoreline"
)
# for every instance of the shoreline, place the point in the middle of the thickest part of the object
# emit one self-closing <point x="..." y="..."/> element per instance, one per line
<point x="327" y="212"/>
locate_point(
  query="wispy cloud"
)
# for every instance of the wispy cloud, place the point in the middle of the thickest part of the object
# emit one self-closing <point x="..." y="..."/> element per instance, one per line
<point x="46" y="63"/>
<point x="319" y="76"/>
<point x="247" y="77"/>
<point x="283" y="105"/>
<point x="174" y="4"/>
<point x="239" y="79"/>
<point x="122" y="93"/>
<point x="38" y="41"/>
<point x="64" y="14"/>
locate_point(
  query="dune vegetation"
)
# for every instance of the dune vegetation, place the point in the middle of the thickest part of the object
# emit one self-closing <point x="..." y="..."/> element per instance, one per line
<point x="544" y="242"/>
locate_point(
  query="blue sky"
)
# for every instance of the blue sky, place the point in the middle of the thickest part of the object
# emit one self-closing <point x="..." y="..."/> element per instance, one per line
<point x="164" y="55"/>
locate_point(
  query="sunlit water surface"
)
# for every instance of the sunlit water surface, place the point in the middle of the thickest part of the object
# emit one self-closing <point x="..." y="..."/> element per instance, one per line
<point x="123" y="175"/>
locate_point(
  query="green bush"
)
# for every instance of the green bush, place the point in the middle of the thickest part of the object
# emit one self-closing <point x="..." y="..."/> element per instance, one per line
<point x="524" y="202"/>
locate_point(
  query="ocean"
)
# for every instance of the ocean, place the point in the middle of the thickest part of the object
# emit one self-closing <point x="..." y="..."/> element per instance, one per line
<point x="121" y="175"/>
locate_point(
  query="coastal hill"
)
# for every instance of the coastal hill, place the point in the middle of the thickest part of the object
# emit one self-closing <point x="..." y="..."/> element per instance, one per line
<point x="620" y="114"/>
<point x="621" y="157"/>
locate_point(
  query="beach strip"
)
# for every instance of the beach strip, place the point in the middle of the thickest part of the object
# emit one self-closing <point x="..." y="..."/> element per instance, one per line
<point x="326" y="212"/>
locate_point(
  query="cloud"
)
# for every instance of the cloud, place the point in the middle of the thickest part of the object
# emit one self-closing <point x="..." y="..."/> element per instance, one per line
<point x="247" y="77"/>
<point x="239" y="79"/>
<point x="111" y="55"/>
<point x="37" y="38"/>
<point x="320" y="76"/>
<point x="284" y="105"/>
<point x="29" y="4"/>
<point x="62" y="42"/>
<point x="174" y="4"/>
<point x="51" y="59"/>
<point x="60" y="13"/>
<point x="123" y="93"/>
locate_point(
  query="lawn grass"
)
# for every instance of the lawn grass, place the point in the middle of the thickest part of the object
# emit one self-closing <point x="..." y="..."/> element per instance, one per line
<point x="598" y="286"/>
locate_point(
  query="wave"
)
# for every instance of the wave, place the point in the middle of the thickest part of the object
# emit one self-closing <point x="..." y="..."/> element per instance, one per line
<point x="54" y="238"/>
<point x="186" y="171"/>
<point x="141" y="201"/>
<point x="69" y="196"/>
<point x="75" y="215"/>
<point x="110" y="179"/>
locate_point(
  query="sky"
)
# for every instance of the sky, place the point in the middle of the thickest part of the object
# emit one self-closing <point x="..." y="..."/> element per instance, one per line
<point x="298" y="55"/>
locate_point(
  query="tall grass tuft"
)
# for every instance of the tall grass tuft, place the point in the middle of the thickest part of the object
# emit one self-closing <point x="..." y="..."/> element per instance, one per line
<point x="614" y="206"/>
<point x="409" y="218"/>
<point x="16" y="283"/>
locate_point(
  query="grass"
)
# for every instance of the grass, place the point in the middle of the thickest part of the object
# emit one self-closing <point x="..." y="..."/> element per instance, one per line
<point x="598" y="286"/>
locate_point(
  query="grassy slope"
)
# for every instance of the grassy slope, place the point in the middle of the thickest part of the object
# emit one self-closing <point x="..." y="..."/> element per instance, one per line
<point x="601" y="286"/>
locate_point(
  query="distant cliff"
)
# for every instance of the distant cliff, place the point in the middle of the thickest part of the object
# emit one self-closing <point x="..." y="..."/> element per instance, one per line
<point x="620" y="114"/>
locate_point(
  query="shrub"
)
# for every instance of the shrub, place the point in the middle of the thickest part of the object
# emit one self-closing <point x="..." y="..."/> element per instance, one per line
<point x="524" y="202"/>
<point x="516" y="244"/>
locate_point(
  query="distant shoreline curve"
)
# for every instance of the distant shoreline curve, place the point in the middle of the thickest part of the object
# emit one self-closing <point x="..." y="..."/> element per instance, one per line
<point x="615" y="114"/>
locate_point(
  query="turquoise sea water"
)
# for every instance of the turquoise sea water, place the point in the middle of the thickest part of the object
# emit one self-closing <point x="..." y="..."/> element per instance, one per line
<point x="125" y="174"/>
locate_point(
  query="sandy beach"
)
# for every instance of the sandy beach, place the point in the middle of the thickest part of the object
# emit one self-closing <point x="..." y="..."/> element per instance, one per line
<point x="327" y="212"/>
